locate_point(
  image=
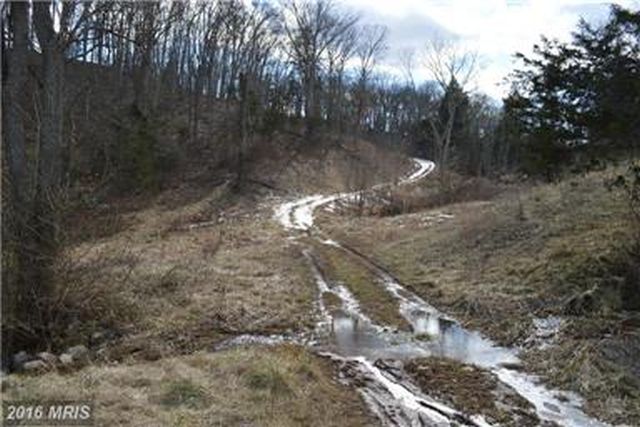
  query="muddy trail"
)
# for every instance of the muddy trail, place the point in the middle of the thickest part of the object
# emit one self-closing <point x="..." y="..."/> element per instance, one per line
<point x="371" y="356"/>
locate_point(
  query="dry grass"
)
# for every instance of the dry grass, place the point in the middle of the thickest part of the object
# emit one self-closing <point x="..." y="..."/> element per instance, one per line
<point x="496" y="263"/>
<point x="469" y="255"/>
<point x="184" y="268"/>
<point x="186" y="279"/>
<point x="282" y="386"/>
<point x="332" y="165"/>
<point x="172" y="274"/>
<point x="606" y="370"/>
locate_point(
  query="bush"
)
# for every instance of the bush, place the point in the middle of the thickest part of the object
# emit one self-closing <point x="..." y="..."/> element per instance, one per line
<point x="628" y="185"/>
<point x="183" y="393"/>
<point x="142" y="160"/>
<point x="411" y="199"/>
<point x="269" y="379"/>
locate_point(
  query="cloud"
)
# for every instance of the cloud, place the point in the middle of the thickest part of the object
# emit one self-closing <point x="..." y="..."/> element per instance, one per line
<point x="496" y="29"/>
<point x="412" y="31"/>
<point x="591" y="12"/>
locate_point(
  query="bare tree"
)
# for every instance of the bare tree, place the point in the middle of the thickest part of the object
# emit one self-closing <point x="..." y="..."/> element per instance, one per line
<point x="14" y="222"/>
<point x="311" y="28"/>
<point x="448" y="64"/>
<point x="14" y="140"/>
<point x="338" y="54"/>
<point x="372" y="44"/>
<point x="407" y="62"/>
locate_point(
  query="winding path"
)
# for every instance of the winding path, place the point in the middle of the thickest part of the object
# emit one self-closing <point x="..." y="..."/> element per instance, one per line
<point x="298" y="214"/>
<point x="358" y="343"/>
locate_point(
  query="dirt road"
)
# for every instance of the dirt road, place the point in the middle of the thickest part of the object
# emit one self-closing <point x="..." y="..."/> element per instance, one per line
<point x="367" y="350"/>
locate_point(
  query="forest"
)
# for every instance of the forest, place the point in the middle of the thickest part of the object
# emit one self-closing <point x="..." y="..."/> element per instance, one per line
<point x="162" y="162"/>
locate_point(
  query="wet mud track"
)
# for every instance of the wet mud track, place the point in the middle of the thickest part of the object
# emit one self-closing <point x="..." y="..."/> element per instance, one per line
<point x="370" y="356"/>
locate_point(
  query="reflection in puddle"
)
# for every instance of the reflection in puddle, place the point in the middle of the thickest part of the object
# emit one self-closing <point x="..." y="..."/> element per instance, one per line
<point x="432" y="336"/>
<point x="428" y="325"/>
<point x="448" y="339"/>
<point x="357" y="336"/>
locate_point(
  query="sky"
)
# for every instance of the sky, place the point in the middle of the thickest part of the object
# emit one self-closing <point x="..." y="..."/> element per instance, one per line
<point x="495" y="29"/>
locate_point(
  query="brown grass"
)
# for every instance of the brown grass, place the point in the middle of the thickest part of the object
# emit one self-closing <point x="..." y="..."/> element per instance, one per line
<point x="282" y="386"/>
<point x="425" y="194"/>
<point x="175" y="281"/>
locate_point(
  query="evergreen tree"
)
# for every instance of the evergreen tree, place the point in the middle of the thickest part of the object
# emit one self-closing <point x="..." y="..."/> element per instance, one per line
<point x="580" y="96"/>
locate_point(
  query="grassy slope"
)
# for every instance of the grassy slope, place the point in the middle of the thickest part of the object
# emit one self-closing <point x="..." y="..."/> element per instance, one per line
<point x="171" y="289"/>
<point x="498" y="263"/>
<point x="170" y="285"/>
<point x="169" y="275"/>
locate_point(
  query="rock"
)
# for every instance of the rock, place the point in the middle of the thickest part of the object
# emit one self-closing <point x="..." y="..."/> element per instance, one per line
<point x="78" y="352"/>
<point x="66" y="359"/>
<point x="20" y="359"/>
<point x="47" y="357"/>
<point x="34" y="366"/>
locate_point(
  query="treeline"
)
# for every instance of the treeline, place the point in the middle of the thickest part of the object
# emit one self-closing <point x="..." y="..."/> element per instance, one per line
<point x="578" y="103"/>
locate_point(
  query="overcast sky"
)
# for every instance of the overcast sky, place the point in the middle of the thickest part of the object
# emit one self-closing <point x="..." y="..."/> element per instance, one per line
<point x="496" y="29"/>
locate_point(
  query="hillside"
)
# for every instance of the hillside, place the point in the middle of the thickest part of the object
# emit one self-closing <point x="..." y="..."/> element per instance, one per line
<point x="177" y="277"/>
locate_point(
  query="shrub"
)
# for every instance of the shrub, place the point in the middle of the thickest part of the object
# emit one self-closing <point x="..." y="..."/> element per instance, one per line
<point x="628" y="185"/>
<point x="270" y="379"/>
<point x="143" y="161"/>
<point x="411" y="199"/>
<point x="183" y="393"/>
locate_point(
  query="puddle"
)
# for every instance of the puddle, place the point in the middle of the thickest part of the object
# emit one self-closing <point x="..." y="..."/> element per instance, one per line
<point x="445" y="338"/>
<point x="354" y="336"/>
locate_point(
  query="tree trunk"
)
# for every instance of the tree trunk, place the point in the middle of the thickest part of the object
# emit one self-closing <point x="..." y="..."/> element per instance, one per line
<point x="310" y="99"/>
<point x="49" y="177"/>
<point x="15" y="303"/>
<point x="13" y="88"/>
